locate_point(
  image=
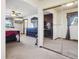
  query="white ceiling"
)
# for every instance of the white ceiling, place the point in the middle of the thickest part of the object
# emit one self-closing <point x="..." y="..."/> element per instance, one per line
<point x="29" y="7"/>
<point x="62" y="8"/>
<point x="47" y="3"/>
<point x="65" y="7"/>
<point x="51" y="3"/>
<point x="20" y="6"/>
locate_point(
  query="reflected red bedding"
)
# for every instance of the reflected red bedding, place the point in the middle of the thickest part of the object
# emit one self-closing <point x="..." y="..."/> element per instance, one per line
<point x="10" y="33"/>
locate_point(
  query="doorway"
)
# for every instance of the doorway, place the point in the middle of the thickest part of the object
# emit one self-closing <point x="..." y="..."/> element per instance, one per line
<point x="48" y="26"/>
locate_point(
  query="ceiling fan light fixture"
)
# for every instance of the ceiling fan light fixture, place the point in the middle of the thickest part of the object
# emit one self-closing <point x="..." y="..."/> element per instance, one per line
<point x="69" y="4"/>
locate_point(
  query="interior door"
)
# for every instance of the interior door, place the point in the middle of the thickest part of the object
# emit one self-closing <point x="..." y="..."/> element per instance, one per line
<point x="48" y="25"/>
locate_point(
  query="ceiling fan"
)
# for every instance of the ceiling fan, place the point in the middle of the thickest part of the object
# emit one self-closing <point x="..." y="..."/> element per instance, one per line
<point x="17" y="17"/>
<point x="16" y="14"/>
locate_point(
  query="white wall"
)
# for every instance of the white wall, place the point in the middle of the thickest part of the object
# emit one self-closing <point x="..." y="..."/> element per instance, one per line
<point x="40" y="27"/>
<point x="25" y="26"/>
<point x="19" y="26"/>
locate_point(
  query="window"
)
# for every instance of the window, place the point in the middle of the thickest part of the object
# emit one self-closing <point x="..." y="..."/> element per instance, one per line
<point x="34" y="22"/>
<point x="72" y="18"/>
<point x="9" y="23"/>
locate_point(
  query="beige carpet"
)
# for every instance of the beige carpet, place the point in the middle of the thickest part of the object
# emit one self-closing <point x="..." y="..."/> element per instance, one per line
<point x="67" y="47"/>
<point x="27" y="50"/>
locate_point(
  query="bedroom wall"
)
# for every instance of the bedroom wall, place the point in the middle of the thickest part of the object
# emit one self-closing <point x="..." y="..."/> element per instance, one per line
<point x="19" y="26"/>
<point x="25" y="26"/>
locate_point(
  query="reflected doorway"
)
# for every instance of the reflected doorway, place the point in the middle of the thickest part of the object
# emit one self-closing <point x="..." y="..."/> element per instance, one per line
<point x="48" y="26"/>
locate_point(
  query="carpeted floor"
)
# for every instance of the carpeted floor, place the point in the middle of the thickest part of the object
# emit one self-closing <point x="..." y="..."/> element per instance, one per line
<point x="67" y="47"/>
<point x="27" y="50"/>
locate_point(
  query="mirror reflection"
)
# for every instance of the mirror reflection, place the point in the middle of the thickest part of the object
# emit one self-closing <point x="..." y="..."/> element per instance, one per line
<point x="61" y="29"/>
